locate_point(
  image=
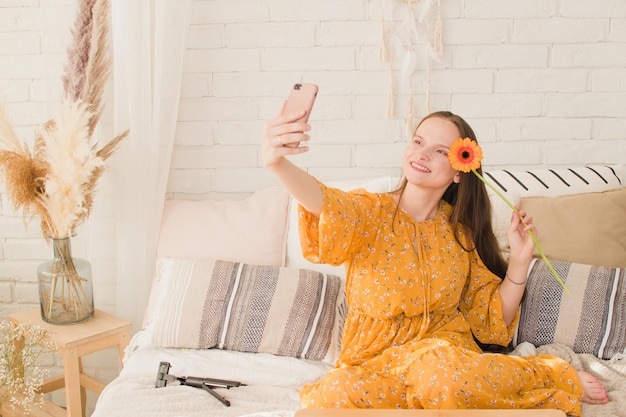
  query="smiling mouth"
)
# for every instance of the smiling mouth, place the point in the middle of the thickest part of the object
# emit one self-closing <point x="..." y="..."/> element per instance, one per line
<point x="419" y="167"/>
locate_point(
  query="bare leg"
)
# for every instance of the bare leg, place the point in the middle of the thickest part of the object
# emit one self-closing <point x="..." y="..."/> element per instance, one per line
<point x="594" y="390"/>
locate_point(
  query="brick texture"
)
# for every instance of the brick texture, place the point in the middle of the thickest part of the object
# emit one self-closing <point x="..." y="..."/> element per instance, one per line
<point x="542" y="82"/>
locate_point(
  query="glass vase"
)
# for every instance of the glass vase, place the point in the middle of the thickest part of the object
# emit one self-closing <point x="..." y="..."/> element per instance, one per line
<point x="65" y="286"/>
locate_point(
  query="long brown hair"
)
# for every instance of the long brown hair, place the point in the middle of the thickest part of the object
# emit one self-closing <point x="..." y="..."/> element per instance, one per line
<point x="471" y="206"/>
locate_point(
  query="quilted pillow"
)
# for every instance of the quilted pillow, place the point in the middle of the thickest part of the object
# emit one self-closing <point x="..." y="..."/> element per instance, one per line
<point x="591" y="320"/>
<point x="206" y="303"/>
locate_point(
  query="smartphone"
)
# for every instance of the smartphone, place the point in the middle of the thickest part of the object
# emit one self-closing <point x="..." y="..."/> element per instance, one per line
<point x="301" y="97"/>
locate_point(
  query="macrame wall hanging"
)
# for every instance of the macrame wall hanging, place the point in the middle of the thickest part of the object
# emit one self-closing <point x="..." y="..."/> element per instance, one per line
<point x="407" y="26"/>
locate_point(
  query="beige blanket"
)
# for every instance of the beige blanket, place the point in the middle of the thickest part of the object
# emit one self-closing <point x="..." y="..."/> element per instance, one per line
<point x="611" y="372"/>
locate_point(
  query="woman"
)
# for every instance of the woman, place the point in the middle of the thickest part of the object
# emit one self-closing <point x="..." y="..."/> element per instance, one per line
<point x="424" y="280"/>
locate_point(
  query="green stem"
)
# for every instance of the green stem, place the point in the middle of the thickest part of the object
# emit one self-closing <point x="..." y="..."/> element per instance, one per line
<point x="530" y="232"/>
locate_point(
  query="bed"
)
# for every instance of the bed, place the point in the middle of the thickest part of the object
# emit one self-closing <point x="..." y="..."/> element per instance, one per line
<point x="233" y="299"/>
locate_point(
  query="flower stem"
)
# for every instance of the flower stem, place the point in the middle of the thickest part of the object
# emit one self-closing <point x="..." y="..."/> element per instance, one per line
<point x="532" y="235"/>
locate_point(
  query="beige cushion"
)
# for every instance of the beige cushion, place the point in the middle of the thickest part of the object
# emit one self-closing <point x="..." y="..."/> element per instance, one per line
<point x="585" y="228"/>
<point x="206" y="303"/>
<point x="251" y="230"/>
<point x="545" y="182"/>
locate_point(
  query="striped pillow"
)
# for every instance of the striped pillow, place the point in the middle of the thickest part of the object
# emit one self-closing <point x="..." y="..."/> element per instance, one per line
<point x="205" y="303"/>
<point x="551" y="182"/>
<point x="515" y="184"/>
<point x="590" y="320"/>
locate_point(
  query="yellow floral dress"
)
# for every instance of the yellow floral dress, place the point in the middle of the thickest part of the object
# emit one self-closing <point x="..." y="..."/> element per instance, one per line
<point x="415" y="298"/>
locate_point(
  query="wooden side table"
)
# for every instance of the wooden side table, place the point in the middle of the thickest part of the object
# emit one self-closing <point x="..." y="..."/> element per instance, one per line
<point x="334" y="412"/>
<point x="75" y="341"/>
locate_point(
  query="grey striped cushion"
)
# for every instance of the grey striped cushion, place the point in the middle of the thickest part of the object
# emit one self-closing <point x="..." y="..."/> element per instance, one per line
<point x="590" y="320"/>
<point x="204" y="303"/>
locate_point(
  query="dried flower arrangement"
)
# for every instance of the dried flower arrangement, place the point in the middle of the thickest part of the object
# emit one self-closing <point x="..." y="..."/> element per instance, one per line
<point x="55" y="180"/>
<point x="21" y="378"/>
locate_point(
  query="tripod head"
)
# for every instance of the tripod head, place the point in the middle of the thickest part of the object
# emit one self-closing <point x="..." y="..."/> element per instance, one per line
<point x="163" y="375"/>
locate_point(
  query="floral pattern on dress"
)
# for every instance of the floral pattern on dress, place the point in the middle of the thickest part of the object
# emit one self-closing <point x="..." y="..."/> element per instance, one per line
<point x="416" y="301"/>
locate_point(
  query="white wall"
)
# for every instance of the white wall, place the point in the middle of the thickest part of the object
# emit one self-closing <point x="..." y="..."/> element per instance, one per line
<point x="33" y="35"/>
<point x="543" y="82"/>
<point x="33" y="38"/>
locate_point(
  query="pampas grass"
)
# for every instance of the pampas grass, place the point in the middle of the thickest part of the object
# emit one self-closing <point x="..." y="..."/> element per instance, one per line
<point x="56" y="179"/>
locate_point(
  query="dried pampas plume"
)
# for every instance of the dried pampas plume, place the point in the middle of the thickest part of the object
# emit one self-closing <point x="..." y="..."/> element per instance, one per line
<point x="56" y="179"/>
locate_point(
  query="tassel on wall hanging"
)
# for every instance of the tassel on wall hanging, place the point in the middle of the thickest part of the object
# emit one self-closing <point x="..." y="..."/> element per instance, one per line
<point x="406" y="27"/>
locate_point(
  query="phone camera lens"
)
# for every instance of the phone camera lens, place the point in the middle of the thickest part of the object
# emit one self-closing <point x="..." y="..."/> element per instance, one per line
<point x="297" y="86"/>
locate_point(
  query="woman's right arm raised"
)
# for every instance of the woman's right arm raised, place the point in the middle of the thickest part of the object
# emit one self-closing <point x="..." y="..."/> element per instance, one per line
<point x="278" y="134"/>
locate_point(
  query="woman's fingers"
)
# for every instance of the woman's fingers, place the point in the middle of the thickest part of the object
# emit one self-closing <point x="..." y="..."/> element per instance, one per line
<point x="286" y="134"/>
<point x="283" y="136"/>
<point x="526" y="220"/>
<point x="282" y="118"/>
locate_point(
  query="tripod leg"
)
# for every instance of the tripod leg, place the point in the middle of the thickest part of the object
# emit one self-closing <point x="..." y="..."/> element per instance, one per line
<point x="216" y="395"/>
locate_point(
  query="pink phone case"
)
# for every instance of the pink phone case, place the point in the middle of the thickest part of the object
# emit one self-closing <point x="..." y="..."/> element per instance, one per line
<point x="302" y="97"/>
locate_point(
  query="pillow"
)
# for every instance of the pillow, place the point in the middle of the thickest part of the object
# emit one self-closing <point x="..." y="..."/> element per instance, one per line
<point x="251" y="230"/>
<point x="205" y="303"/>
<point x="585" y="228"/>
<point x="591" y="320"/>
<point x="546" y="182"/>
<point x="552" y="182"/>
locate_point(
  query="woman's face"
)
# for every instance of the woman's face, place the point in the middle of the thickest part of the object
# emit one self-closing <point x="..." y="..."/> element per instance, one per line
<point x="425" y="161"/>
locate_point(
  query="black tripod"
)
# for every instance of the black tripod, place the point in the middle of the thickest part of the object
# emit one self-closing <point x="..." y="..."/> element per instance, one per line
<point x="207" y="384"/>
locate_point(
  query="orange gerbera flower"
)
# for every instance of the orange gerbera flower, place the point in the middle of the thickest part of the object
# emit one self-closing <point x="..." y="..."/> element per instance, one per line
<point x="465" y="155"/>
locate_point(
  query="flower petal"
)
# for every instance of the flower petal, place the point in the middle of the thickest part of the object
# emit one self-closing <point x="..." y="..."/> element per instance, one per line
<point x="465" y="155"/>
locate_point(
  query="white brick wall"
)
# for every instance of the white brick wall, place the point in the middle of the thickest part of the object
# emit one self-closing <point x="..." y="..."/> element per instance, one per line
<point x="33" y="38"/>
<point x="542" y="82"/>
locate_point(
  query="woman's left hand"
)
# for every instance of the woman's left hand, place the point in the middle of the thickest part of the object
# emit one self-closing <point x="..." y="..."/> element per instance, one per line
<point x="520" y="241"/>
<point x="522" y="247"/>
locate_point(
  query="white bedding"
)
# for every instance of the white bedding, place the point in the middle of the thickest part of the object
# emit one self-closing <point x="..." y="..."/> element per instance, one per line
<point x="612" y="373"/>
<point x="272" y="384"/>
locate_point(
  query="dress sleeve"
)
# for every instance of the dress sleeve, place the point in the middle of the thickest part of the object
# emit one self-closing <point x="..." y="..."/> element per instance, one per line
<point x="482" y="306"/>
<point x="346" y="224"/>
